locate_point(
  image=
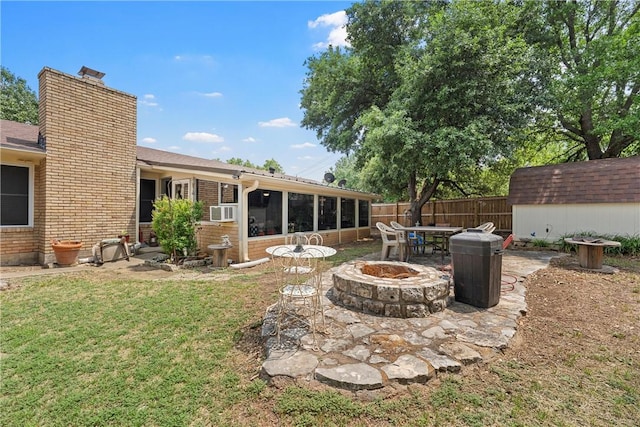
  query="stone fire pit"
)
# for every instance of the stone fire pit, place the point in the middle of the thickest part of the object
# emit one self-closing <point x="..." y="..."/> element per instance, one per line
<point x="392" y="289"/>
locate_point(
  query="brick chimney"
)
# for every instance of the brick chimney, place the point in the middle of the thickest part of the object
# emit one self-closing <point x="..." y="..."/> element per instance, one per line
<point x="90" y="171"/>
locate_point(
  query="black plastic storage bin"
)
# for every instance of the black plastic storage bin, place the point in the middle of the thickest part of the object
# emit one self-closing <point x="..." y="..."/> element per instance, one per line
<point x="477" y="267"/>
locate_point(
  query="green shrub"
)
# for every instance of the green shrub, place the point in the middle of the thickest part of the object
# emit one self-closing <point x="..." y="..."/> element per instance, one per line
<point x="175" y="223"/>
<point x="540" y="243"/>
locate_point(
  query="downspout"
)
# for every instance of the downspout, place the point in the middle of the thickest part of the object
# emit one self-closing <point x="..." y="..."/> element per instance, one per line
<point x="244" y="220"/>
<point x="137" y="235"/>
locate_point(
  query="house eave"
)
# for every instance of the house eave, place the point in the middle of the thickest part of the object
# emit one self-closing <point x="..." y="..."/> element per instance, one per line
<point x="27" y="155"/>
<point x="266" y="180"/>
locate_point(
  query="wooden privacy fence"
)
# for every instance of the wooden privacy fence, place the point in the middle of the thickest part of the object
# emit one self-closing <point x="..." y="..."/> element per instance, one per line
<point x="465" y="213"/>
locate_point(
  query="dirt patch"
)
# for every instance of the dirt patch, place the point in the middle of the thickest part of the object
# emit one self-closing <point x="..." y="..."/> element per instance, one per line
<point x="570" y="308"/>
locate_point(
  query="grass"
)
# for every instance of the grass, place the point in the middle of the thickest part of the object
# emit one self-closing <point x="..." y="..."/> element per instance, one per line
<point x="82" y="350"/>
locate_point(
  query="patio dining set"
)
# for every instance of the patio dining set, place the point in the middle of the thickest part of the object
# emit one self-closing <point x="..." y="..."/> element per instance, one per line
<point x="419" y="239"/>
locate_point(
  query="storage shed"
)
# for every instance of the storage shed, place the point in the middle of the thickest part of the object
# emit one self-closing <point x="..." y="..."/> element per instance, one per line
<point x="601" y="196"/>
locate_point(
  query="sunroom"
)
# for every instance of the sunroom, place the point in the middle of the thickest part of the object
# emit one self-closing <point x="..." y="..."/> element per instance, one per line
<point x="254" y="208"/>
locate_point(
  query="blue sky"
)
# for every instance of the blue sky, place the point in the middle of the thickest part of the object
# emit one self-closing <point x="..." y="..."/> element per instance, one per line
<point x="213" y="79"/>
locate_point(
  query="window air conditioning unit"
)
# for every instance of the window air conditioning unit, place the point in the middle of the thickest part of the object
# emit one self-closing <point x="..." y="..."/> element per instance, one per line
<point x="222" y="213"/>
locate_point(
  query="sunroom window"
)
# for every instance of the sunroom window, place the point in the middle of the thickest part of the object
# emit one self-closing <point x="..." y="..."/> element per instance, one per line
<point x="300" y="214"/>
<point x="327" y="213"/>
<point x="363" y="213"/>
<point x="347" y="213"/>
<point x="265" y="212"/>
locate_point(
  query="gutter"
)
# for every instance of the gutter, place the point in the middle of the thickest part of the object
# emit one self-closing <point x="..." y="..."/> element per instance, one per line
<point x="244" y="224"/>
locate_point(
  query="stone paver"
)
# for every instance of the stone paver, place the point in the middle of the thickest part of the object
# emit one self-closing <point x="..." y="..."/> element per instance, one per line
<point x="360" y="351"/>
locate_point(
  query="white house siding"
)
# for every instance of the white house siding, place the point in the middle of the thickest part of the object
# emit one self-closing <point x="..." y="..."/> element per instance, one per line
<point x="559" y="220"/>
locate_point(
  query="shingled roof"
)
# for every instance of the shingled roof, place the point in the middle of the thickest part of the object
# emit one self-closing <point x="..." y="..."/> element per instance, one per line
<point x="152" y="156"/>
<point x="594" y="181"/>
<point x="19" y="136"/>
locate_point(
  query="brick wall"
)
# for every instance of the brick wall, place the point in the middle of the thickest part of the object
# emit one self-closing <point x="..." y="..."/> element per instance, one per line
<point x="90" y="173"/>
<point x="208" y="195"/>
<point x="211" y="234"/>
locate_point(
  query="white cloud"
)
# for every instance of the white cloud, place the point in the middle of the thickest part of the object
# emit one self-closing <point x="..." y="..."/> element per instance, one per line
<point x="282" y="122"/>
<point x="250" y="139"/>
<point x="149" y="100"/>
<point x="303" y="145"/>
<point x="330" y="20"/>
<point x="202" y="137"/>
<point x="336" y="22"/>
<point x="212" y="95"/>
<point x="225" y="148"/>
<point x="148" y="140"/>
<point x="206" y="59"/>
<point x="305" y="158"/>
<point x="173" y="148"/>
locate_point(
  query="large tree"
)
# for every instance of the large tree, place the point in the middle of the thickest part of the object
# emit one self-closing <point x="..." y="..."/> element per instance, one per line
<point x="595" y="48"/>
<point x="427" y="93"/>
<point x="18" y="102"/>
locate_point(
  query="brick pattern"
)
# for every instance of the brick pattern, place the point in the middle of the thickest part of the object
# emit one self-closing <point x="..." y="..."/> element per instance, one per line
<point x="208" y="195"/>
<point x="595" y="181"/>
<point x="211" y="234"/>
<point x="90" y="173"/>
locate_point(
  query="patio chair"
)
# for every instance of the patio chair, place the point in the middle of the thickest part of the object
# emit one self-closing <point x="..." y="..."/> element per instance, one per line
<point x="315" y="239"/>
<point x="391" y="239"/>
<point x="299" y="280"/>
<point x="415" y="241"/>
<point x="292" y="239"/>
<point x="440" y="242"/>
<point x="487" y="227"/>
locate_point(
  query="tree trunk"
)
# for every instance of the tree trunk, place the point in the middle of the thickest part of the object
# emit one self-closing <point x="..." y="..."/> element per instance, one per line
<point x="416" y="203"/>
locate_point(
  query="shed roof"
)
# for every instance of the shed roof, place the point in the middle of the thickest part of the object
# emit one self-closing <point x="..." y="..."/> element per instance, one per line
<point x="594" y="181"/>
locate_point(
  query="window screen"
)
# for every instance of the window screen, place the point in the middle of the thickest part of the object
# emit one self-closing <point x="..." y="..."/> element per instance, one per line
<point x="147" y="198"/>
<point x="14" y="195"/>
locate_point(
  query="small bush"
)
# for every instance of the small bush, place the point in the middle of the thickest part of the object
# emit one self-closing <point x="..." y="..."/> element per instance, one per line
<point x="540" y="243"/>
<point x="175" y="223"/>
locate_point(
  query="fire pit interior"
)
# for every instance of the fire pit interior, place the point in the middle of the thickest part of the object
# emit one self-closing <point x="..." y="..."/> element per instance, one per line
<point x="391" y="271"/>
<point x="394" y="289"/>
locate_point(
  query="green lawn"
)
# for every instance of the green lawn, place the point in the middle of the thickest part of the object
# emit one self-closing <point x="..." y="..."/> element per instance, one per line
<point x="84" y="350"/>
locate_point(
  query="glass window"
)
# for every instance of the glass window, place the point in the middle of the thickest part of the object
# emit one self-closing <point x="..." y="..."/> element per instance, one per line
<point x="327" y="213"/>
<point x="228" y="193"/>
<point x="166" y="186"/>
<point x="300" y="216"/>
<point x="147" y="198"/>
<point x="180" y="189"/>
<point x="347" y="213"/>
<point x="363" y="213"/>
<point x="265" y="212"/>
<point x="15" y="190"/>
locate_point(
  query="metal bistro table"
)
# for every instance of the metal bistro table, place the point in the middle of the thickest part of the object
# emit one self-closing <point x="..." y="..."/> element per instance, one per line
<point x="298" y="274"/>
<point x="435" y="230"/>
<point x="289" y="250"/>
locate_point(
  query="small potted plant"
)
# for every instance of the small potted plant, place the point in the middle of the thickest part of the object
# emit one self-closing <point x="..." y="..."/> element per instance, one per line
<point x="124" y="234"/>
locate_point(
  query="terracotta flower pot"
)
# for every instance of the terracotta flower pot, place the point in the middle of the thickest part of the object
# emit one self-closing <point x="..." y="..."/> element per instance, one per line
<point x="66" y="251"/>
